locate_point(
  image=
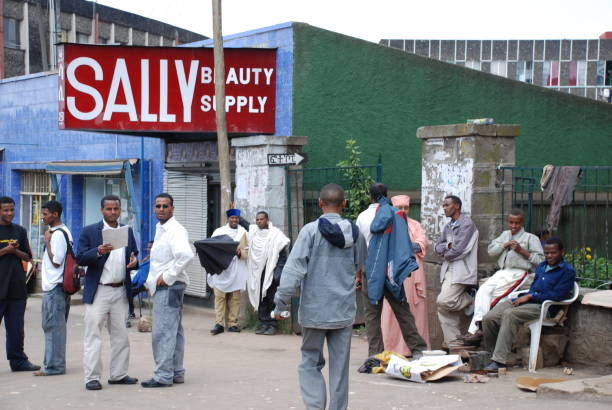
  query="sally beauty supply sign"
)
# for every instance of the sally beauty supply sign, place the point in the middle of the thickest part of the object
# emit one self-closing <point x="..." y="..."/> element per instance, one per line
<point x="165" y="89"/>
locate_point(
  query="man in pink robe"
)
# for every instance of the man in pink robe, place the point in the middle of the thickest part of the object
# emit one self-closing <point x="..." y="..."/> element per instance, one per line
<point x="415" y="286"/>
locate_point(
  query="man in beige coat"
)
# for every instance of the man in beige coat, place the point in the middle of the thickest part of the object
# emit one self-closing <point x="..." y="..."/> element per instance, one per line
<point x="458" y="245"/>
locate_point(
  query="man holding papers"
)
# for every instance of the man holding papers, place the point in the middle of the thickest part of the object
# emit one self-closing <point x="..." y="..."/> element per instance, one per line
<point x="107" y="282"/>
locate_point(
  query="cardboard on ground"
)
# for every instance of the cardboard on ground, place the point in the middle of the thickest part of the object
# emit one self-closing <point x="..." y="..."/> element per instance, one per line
<point x="532" y="383"/>
<point x="425" y="369"/>
<point x="116" y="237"/>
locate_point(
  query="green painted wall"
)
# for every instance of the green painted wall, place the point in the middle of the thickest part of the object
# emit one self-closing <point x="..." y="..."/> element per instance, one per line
<point x="349" y="88"/>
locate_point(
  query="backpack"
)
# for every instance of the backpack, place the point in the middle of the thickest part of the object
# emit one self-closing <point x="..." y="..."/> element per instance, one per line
<point x="72" y="271"/>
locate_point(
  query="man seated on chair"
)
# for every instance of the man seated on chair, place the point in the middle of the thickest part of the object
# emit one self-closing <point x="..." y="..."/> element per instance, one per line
<point x="554" y="280"/>
<point x="518" y="253"/>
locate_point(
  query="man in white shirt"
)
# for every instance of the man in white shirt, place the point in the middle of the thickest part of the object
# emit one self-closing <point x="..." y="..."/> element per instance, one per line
<point x="55" y="303"/>
<point x="228" y="284"/>
<point x="170" y="255"/>
<point x="107" y="283"/>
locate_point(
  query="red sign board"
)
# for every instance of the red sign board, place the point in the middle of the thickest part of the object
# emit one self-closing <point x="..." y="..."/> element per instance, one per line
<point x="164" y="89"/>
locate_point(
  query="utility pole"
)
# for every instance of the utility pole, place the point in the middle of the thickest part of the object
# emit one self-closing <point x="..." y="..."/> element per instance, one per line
<point x="222" y="140"/>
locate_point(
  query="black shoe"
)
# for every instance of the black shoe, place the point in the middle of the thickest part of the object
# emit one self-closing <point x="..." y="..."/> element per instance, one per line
<point x="270" y="331"/>
<point x="217" y="329"/>
<point x="178" y="379"/>
<point x="261" y="330"/>
<point x="234" y="329"/>
<point x="26" y="367"/>
<point x="93" y="385"/>
<point x="125" y="380"/>
<point x="131" y="316"/>
<point x="154" y="383"/>
<point x="128" y="324"/>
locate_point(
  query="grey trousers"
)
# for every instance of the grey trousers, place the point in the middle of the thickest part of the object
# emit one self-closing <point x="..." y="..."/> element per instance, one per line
<point x="452" y="300"/>
<point x="110" y="308"/>
<point x="404" y="317"/>
<point x="312" y="383"/>
<point x="55" y="309"/>
<point x="167" y="335"/>
<point x="501" y="325"/>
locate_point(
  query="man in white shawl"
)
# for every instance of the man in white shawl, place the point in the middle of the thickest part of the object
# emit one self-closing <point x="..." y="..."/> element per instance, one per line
<point x="228" y="284"/>
<point x="267" y="256"/>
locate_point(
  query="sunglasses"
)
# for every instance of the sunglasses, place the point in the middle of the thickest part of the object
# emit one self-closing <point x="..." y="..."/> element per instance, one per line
<point x="162" y="206"/>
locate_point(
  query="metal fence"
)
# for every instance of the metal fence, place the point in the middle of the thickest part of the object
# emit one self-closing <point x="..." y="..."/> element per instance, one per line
<point x="584" y="225"/>
<point x="303" y="186"/>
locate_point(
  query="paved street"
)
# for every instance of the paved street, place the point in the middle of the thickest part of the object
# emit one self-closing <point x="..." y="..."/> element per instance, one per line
<point x="241" y="371"/>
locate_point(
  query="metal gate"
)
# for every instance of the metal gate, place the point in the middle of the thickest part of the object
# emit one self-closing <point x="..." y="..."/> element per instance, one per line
<point x="303" y="186"/>
<point x="584" y="225"/>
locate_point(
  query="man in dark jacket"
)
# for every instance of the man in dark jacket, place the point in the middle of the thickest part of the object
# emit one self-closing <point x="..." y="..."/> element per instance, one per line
<point x="377" y="225"/>
<point x="107" y="284"/>
<point x="554" y="280"/>
<point x="14" y="248"/>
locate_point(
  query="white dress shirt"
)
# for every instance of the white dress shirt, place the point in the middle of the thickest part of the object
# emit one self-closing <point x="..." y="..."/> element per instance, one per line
<point x="364" y="221"/>
<point x="52" y="276"/>
<point x="114" y="268"/>
<point x="170" y="254"/>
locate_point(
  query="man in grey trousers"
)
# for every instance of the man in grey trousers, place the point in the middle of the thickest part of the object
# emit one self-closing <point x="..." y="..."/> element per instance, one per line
<point x="323" y="262"/>
<point x="170" y="255"/>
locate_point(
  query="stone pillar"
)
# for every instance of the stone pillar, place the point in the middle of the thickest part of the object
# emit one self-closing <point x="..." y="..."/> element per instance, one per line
<point x="462" y="160"/>
<point x="260" y="187"/>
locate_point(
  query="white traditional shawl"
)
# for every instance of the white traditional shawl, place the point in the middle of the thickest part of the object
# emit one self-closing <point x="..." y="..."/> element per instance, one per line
<point x="264" y="247"/>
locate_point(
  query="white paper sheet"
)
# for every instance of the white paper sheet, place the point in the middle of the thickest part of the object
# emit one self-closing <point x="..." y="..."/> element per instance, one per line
<point x="116" y="237"/>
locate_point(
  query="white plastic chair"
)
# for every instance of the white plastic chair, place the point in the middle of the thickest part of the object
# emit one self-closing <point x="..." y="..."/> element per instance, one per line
<point x="535" y="327"/>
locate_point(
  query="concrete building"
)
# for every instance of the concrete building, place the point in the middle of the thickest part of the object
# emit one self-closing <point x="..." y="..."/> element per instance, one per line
<point x="30" y="28"/>
<point x="578" y="67"/>
<point x="329" y="87"/>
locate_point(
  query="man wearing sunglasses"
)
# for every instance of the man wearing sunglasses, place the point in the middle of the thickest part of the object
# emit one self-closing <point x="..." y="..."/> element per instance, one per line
<point x="170" y="255"/>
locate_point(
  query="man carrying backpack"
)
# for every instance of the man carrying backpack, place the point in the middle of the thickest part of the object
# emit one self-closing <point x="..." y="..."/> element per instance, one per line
<point x="55" y="302"/>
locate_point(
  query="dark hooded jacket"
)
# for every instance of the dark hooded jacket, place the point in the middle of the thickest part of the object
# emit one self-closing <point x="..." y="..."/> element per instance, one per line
<point x="390" y="255"/>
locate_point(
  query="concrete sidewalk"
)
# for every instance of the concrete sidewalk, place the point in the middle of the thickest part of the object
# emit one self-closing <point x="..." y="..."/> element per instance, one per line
<point x="242" y="371"/>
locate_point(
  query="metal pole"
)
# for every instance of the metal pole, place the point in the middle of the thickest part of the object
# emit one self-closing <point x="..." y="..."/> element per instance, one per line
<point x="143" y="239"/>
<point x="222" y="140"/>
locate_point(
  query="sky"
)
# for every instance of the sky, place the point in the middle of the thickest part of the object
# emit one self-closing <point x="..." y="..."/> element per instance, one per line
<point x="392" y="19"/>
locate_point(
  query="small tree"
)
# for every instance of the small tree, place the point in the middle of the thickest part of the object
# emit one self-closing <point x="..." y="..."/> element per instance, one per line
<point x="359" y="181"/>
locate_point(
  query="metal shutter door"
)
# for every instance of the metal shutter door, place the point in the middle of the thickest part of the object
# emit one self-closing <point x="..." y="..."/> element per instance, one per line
<point x="190" y="193"/>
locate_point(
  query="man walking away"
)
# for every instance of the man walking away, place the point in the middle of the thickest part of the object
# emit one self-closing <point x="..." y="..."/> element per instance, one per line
<point x="170" y="255"/>
<point x="323" y="262"/>
<point x="14" y="248"/>
<point x="55" y="303"/>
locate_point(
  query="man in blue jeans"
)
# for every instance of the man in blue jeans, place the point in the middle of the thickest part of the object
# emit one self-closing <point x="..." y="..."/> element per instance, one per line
<point x="170" y="255"/>
<point x="55" y="303"/>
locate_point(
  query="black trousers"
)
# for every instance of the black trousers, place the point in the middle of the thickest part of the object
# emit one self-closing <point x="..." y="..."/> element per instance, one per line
<point x="13" y="311"/>
<point x="266" y="304"/>
<point x="404" y="317"/>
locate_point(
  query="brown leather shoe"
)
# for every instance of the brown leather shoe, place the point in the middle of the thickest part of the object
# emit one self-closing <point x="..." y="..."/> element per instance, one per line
<point x="473" y="339"/>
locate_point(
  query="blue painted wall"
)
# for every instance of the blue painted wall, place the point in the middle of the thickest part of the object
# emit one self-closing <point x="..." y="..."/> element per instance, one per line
<point x="30" y="137"/>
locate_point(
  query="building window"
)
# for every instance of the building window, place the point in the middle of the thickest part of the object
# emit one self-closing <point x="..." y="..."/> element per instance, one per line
<point x="35" y="191"/>
<point x="499" y="67"/>
<point x="96" y="188"/>
<point x="474" y="65"/>
<point x="608" y="78"/>
<point x="524" y="71"/>
<point x="550" y="73"/>
<point x="82" y="38"/>
<point x="581" y="73"/>
<point x="102" y="40"/>
<point x="11" y="32"/>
